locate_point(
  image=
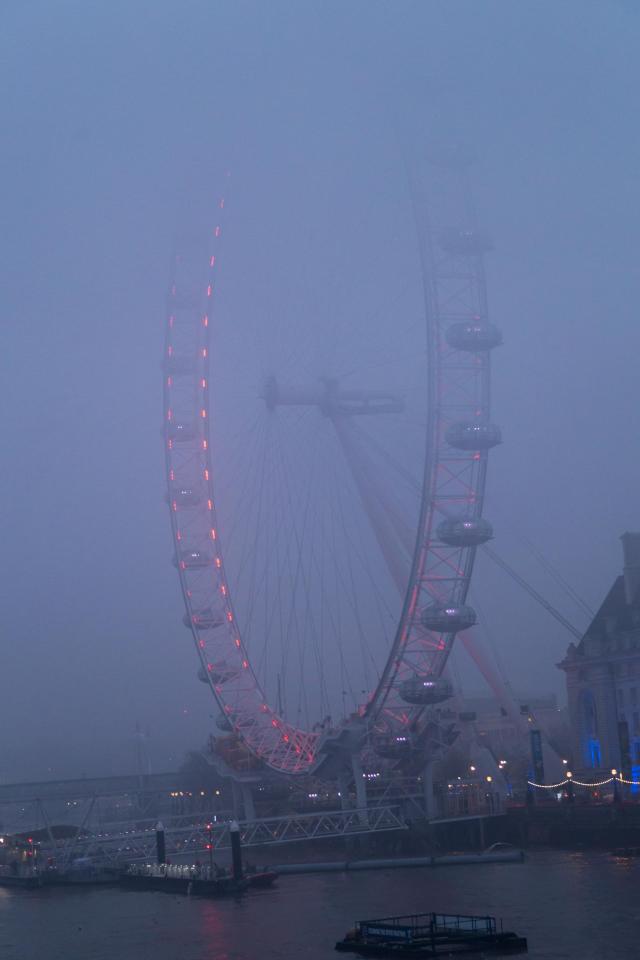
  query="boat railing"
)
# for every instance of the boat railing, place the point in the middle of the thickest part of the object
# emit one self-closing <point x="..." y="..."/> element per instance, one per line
<point x="422" y="925"/>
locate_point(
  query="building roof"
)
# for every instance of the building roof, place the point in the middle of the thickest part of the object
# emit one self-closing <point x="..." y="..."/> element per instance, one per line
<point x="615" y="614"/>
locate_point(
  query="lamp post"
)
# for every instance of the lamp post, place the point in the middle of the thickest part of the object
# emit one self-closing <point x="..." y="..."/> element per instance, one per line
<point x="569" y="786"/>
<point x="210" y="848"/>
<point x="616" y="791"/>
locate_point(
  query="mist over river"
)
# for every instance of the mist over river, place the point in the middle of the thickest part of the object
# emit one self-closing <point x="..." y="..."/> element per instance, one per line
<point x="571" y="905"/>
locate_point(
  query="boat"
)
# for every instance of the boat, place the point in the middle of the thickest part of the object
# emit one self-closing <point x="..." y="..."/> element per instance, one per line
<point x="179" y="878"/>
<point x="28" y="881"/>
<point x="626" y="852"/>
<point x="430" y="935"/>
<point x="262" y="878"/>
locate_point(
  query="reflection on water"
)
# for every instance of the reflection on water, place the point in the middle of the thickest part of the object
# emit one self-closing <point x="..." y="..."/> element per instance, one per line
<point x="571" y="905"/>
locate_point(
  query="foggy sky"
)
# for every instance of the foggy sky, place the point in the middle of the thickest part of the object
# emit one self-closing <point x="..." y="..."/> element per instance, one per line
<point x="118" y="117"/>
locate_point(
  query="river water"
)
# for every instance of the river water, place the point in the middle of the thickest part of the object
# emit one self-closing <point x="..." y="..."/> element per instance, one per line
<point x="576" y="905"/>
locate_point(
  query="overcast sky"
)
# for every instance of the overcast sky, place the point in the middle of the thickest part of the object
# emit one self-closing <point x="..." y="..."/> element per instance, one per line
<point x="120" y="116"/>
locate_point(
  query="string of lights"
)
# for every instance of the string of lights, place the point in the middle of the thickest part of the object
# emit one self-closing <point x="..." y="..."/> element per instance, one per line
<point x="547" y="786"/>
<point x="579" y="783"/>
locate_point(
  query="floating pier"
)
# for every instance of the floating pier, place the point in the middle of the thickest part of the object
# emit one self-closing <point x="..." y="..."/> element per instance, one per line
<point x="430" y="935"/>
<point x="453" y="860"/>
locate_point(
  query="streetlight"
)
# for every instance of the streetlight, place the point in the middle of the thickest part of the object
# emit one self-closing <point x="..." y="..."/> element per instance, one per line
<point x="210" y="848"/>
<point x="565" y="762"/>
<point x="489" y="779"/>
<point x="569" y="786"/>
<point x="472" y="768"/>
<point x="616" y="794"/>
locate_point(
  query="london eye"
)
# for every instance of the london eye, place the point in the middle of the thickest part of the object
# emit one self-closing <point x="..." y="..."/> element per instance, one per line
<point x="326" y="486"/>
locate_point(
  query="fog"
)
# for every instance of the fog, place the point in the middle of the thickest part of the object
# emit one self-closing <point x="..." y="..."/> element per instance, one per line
<point x="120" y="123"/>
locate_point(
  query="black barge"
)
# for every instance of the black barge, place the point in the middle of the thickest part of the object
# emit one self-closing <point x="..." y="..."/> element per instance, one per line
<point x="430" y="935"/>
<point x="193" y="880"/>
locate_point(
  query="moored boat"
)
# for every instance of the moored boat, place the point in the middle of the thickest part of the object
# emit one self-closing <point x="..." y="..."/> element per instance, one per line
<point x="178" y="878"/>
<point x="430" y="935"/>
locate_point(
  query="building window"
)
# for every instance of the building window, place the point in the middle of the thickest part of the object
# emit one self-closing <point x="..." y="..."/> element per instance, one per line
<point x="636" y="723"/>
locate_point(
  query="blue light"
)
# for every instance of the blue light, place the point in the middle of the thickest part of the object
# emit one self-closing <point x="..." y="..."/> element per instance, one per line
<point x="593" y="752"/>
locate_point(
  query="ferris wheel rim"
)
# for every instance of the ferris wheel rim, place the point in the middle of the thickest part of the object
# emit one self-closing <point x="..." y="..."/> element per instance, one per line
<point x="287" y="748"/>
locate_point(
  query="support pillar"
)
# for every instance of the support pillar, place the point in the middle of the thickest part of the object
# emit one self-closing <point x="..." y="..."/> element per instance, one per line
<point x="361" y="789"/>
<point x="430" y="810"/>
<point x="247" y="802"/>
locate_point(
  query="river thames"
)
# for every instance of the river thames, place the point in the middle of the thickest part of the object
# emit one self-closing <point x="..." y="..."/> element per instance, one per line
<point x="573" y="905"/>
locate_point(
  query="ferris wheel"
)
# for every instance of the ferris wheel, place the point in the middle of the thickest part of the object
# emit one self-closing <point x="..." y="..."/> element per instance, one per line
<point x="326" y="487"/>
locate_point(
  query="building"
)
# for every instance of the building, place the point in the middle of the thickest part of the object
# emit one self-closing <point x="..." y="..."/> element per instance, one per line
<point x="603" y="678"/>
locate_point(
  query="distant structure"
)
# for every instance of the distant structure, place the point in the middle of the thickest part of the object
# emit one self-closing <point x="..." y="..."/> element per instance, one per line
<point x="603" y="678"/>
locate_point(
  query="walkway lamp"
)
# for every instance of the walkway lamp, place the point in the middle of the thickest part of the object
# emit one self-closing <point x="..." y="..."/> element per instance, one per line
<point x="616" y="791"/>
<point x="569" y="787"/>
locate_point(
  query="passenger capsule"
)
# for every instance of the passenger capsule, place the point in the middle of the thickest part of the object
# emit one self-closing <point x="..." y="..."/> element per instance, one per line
<point x="464" y="533"/>
<point x="177" y="365"/>
<point x="217" y="673"/>
<point x="425" y="690"/>
<point x="181" y="431"/>
<point x="476" y="336"/>
<point x="473" y="435"/>
<point x="186" y="496"/>
<point x="392" y="747"/>
<point x="194" y="559"/>
<point x="183" y="300"/>
<point x="206" y="619"/>
<point x="447" y="619"/>
<point x="465" y="243"/>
